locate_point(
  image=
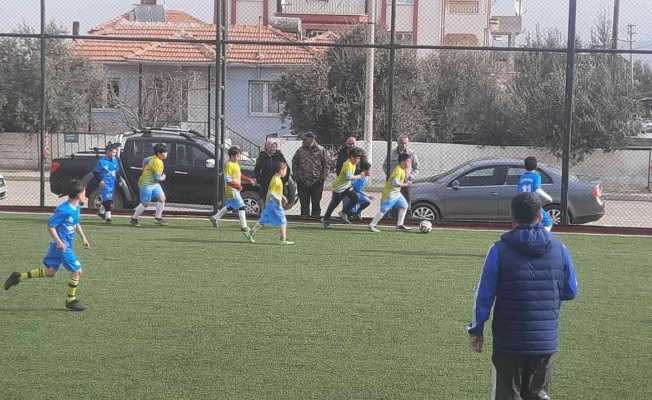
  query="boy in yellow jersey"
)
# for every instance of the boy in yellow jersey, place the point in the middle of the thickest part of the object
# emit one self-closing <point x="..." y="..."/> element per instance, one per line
<point x="150" y="185"/>
<point x="342" y="187"/>
<point x="273" y="213"/>
<point x="62" y="226"/>
<point x="392" y="196"/>
<point x="232" y="198"/>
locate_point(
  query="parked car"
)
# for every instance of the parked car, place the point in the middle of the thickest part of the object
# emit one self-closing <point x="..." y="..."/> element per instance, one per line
<point x="483" y="190"/>
<point x="189" y="170"/>
<point x="3" y="188"/>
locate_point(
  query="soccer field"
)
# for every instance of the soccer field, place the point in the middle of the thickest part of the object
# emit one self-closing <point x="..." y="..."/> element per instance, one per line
<point x="188" y="312"/>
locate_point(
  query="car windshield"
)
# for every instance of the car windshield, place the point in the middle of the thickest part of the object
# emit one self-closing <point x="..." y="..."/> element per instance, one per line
<point x="451" y="171"/>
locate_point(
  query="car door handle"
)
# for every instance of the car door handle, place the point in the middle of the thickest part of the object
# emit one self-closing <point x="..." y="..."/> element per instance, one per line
<point x="136" y="168"/>
<point x="495" y="194"/>
<point x="180" y="173"/>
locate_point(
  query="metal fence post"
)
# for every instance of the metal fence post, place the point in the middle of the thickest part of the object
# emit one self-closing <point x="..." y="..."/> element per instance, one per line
<point x="392" y="67"/>
<point x="220" y="64"/>
<point x="41" y="146"/>
<point x="570" y="81"/>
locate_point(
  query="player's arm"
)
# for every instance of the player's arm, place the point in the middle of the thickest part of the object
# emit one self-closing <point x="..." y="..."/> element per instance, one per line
<point x="87" y="244"/>
<point x="544" y="196"/>
<point x="157" y="172"/>
<point x="570" y="278"/>
<point x="485" y="295"/>
<point x="233" y="183"/>
<point x="244" y="177"/>
<point x="55" y="236"/>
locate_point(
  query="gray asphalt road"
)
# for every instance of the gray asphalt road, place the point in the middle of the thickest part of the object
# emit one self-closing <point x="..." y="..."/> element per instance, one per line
<point x="619" y="213"/>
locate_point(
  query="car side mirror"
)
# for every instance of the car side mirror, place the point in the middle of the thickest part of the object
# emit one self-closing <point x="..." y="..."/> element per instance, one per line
<point x="210" y="163"/>
<point x="455" y="184"/>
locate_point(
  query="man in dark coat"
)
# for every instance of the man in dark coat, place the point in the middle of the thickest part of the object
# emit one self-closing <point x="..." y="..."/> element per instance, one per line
<point x="265" y="163"/>
<point x="310" y="167"/>
<point x="528" y="273"/>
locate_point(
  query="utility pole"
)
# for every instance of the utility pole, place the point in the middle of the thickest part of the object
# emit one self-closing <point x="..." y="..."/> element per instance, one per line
<point x="614" y="38"/>
<point x="371" y="67"/>
<point x="631" y="31"/>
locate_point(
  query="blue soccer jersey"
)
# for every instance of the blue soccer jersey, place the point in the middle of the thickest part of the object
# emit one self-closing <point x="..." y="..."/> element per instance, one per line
<point x="108" y="172"/>
<point x="529" y="182"/>
<point x="359" y="184"/>
<point x="65" y="220"/>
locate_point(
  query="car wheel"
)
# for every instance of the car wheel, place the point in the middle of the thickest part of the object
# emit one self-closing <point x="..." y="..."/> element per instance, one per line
<point x="554" y="210"/>
<point x="252" y="203"/>
<point x="425" y="212"/>
<point x="94" y="201"/>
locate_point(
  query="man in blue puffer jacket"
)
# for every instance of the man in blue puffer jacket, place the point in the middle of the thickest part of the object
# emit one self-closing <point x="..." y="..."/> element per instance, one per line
<point x="528" y="273"/>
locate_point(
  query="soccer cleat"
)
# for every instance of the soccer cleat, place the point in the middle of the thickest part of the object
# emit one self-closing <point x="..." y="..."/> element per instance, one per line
<point x="286" y="242"/>
<point x="75" y="305"/>
<point x="108" y="221"/>
<point x="326" y="224"/>
<point x="215" y="222"/>
<point x="247" y="234"/>
<point x="403" y="228"/>
<point x="373" y="229"/>
<point x="134" y="222"/>
<point x="344" y="217"/>
<point x="160" y="222"/>
<point x="101" y="214"/>
<point x="13" y="280"/>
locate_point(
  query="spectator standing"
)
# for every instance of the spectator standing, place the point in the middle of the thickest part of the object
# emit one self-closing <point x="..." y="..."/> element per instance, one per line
<point x="343" y="155"/>
<point x="266" y="164"/>
<point x="528" y="273"/>
<point x="392" y="159"/>
<point x="310" y="166"/>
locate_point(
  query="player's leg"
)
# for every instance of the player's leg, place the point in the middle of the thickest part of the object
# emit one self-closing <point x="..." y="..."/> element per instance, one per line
<point x="159" y="195"/>
<point x="145" y="199"/>
<point x="336" y="199"/>
<point x="101" y="211"/>
<point x="363" y="203"/>
<point x="402" y="205"/>
<point x="284" y="235"/>
<point x="385" y="206"/>
<point x="108" y="207"/>
<point x="72" y="264"/>
<point x="17" y="277"/>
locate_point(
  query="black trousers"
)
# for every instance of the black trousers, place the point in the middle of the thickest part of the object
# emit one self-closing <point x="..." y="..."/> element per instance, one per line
<point x="337" y="199"/>
<point x="310" y="195"/>
<point x="522" y="377"/>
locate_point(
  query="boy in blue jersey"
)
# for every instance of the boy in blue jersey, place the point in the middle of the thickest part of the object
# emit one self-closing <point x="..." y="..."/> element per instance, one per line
<point x="106" y="171"/>
<point x="530" y="182"/>
<point x="364" y="201"/>
<point x="150" y="185"/>
<point x="61" y="226"/>
<point x="342" y="188"/>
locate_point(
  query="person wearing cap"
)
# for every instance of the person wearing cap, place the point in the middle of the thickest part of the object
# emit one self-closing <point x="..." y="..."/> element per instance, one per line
<point x="310" y="167"/>
<point x="106" y="171"/>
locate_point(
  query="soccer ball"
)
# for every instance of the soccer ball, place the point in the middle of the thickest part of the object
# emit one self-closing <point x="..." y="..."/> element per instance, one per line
<point x="425" y="226"/>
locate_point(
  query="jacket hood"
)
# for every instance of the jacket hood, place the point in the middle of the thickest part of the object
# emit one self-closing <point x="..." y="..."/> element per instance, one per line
<point x="532" y="240"/>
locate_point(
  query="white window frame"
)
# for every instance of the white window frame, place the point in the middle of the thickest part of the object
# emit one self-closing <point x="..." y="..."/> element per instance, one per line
<point x="463" y="3"/>
<point x="404" y="2"/>
<point x="266" y="95"/>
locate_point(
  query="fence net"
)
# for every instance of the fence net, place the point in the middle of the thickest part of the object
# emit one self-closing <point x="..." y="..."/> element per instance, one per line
<point x="472" y="86"/>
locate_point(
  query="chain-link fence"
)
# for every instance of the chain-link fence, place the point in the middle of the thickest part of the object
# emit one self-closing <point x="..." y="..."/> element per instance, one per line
<point x="472" y="86"/>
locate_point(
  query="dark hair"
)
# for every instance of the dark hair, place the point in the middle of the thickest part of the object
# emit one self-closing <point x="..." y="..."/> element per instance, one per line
<point x="233" y="150"/>
<point x="365" y="165"/>
<point x="403" y="156"/>
<point x="160" y="148"/>
<point x="111" y="146"/>
<point x="525" y="208"/>
<point x="75" y="187"/>
<point x="531" y="163"/>
<point x="277" y="165"/>
<point x="355" y="152"/>
<point x="309" y="134"/>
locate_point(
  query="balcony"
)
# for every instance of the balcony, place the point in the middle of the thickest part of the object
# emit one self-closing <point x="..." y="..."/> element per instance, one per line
<point x="323" y="7"/>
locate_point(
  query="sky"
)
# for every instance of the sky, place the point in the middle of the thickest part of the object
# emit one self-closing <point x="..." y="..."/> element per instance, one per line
<point x="547" y="14"/>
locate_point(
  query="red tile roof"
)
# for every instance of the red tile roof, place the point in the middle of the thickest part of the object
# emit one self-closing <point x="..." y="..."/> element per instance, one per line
<point x="182" y="25"/>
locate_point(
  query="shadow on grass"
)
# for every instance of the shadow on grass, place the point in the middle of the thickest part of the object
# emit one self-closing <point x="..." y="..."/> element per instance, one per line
<point x="432" y="254"/>
<point x="29" y="309"/>
<point x="207" y="241"/>
<point x="30" y="220"/>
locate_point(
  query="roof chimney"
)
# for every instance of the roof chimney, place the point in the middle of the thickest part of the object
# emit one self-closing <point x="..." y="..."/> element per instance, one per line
<point x="148" y="2"/>
<point x="75" y="28"/>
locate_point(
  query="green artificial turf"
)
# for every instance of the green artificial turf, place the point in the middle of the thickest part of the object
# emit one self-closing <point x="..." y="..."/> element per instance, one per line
<point x="188" y="312"/>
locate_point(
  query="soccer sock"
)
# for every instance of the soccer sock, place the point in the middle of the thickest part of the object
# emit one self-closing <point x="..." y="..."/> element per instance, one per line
<point x="401" y="216"/>
<point x="221" y="213"/>
<point x="377" y="218"/>
<point x="35" y="273"/>
<point x="242" y="214"/>
<point x="139" y="211"/>
<point x="107" y="214"/>
<point x="159" y="210"/>
<point x="72" y="289"/>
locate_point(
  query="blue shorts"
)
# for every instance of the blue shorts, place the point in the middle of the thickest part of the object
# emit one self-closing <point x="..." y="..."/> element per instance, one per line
<point x="362" y="199"/>
<point x="107" y="193"/>
<point x="398" y="201"/>
<point x="151" y="192"/>
<point x="273" y="214"/>
<point x="56" y="257"/>
<point x="235" y="203"/>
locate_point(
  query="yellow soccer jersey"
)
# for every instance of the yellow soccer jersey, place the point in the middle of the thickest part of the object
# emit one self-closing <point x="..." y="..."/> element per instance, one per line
<point x="153" y="168"/>
<point x="231" y="174"/>
<point x="393" y="184"/>
<point x="275" y="188"/>
<point x="343" y="180"/>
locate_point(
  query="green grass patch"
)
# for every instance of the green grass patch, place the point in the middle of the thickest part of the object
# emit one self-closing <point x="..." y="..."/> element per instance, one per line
<point x="188" y="312"/>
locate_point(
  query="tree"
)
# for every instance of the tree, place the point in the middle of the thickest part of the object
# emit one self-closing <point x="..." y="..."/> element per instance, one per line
<point x="73" y="84"/>
<point x="327" y="96"/>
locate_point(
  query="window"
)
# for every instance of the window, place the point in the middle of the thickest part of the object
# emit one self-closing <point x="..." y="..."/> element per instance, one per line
<point x="112" y="92"/>
<point x="464" y="7"/>
<point x="404" y="37"/>
<point x="261" y="99"/>
<point x="514" y="174"/>
<point x="405" y="2"/>
<point x="190" y="156"/>
<point x="480" y="177"/>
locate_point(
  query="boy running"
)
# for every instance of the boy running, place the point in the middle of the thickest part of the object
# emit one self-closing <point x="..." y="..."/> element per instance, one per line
<point x="61" y="226"/>
<point x="150" y="185"/>
<point x="392" y="196"/>
<point x="233" y="200"/>
<point x="358" y="186"/>
<point x="342" y="187"/>
<point x="106" y="171"/>
<point x="531" y="182"/>
<point x="273" y="213"/>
